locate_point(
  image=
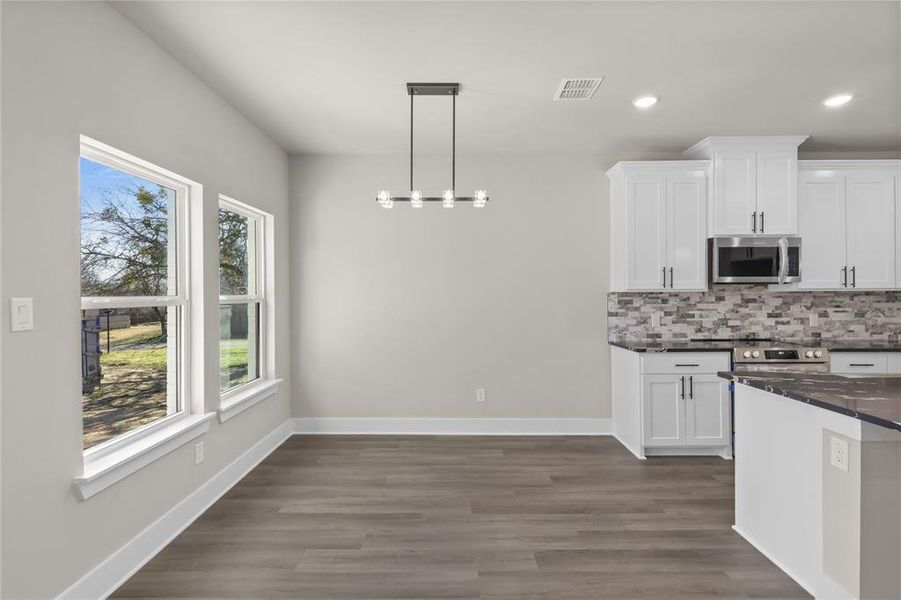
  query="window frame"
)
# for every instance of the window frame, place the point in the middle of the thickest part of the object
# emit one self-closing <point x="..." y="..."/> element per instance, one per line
<point x="101" y="459"/>
<point x="236" y="399"/>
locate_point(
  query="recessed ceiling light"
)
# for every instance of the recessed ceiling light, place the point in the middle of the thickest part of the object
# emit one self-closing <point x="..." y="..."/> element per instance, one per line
<point x="645" y="101"/>
<point x="838" y="100"/>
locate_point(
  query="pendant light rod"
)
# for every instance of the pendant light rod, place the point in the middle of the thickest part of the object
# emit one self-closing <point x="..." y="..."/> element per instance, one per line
<point x="454" y="142"/>
<point x="411" y="142"/>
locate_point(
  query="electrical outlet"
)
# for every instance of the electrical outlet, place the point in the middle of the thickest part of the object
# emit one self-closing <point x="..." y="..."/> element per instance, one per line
<point x="838" y="453"/>
<point x="814" y="319"/>
<point x="198" y="453"/>
<point x="480" y="394"/>
<point x="655" y="320"/>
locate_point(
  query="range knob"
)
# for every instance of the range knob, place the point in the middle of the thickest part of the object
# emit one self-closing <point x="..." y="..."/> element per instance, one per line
<point x="809" y="354"/>
<point x="818" y="354"/>
<point x="756" y="354"/>
<point x="747" y="354"/>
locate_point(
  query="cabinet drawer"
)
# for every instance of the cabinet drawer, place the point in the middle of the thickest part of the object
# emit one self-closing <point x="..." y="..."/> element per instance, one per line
<point x="858" y="362"/>
<point x="685" y="362"/>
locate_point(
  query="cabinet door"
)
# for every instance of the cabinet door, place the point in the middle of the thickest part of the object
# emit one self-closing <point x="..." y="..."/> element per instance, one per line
<point x="707" y="411"/>
<point x="777" y="193"/>
<point x="734" y="192"/>
<point x="686" y="233"/>
<point x="646" y="234"/>
<point x="821" y="208"/>
<point x="870" y="214"/>
<point x="664" y="409"/>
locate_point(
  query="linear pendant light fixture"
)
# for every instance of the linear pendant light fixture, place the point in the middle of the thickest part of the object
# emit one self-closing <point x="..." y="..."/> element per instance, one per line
<point x="448" y="198"/>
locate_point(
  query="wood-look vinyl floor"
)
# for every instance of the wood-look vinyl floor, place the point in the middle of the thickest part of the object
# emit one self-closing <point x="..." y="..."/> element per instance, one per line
<point x="354" y="517"/>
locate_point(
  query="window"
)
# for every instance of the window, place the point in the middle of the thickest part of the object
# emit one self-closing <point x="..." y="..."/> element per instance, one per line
<point x="245" y="365"/>
<point x="135" y="298"/>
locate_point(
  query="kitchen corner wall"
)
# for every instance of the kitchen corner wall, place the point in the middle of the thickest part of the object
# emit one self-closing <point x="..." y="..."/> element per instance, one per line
<point x="405" y="312"/>
<point x="741" y="310"/>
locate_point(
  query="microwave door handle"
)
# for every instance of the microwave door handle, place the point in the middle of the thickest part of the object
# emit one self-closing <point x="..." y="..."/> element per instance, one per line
<point x="783" y="259"/>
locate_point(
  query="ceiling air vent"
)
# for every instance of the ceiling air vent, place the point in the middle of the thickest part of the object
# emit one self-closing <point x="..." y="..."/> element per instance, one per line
<point x="581" y="88"/>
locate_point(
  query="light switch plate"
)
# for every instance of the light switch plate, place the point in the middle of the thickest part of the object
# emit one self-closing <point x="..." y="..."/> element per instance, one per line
<point x="21" y="314"/>
<point x="838" y="453"/>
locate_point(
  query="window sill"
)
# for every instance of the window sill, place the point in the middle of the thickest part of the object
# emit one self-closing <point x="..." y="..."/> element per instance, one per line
<point x="243" y="398"/>
<point x="103" y="471"/>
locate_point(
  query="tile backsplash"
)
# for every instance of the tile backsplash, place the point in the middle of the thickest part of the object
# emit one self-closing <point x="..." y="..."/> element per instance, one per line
<point x="753" y="310"/>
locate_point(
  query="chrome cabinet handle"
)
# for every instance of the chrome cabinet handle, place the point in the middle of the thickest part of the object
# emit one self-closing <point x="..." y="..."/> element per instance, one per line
<point x="687" y="365"/>
<point x="845" y="276"/>
<point x="682" y="394"/>
<point x="663" y="271"/>
<point x="761" y="221"/>
<point x="854" y="277"/>
<point x="691" y="387"/>
<point x="754" y="226"/>
<point x="671" y="278"/>
<point x="861" y="364"/>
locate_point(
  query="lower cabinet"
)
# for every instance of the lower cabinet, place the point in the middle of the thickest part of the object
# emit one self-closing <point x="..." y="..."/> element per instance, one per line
<point x="865" y="363"/>
<point x="671" y="403"/>
<point x="685" y="410"/>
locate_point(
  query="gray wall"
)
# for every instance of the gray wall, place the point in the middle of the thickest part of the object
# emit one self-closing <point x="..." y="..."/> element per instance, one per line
<point x="405" y="312"/>
<point x="80" y="68"/>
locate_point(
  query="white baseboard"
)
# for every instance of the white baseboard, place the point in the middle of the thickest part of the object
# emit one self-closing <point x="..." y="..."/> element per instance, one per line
<point x="103" y="580"/>
<point x="400" y="426"/>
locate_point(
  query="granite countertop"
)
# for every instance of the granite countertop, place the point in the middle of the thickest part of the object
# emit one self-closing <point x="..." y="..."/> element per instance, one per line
<point x="833" y="345"/>
<point x="873" y="399"/>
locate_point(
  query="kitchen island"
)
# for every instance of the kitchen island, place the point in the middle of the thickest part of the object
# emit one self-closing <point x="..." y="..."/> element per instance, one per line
<point x="818" y="478"/>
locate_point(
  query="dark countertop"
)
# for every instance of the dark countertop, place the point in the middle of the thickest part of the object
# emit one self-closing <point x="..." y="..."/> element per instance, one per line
<point x="873" y="399"/>
<point x="639" y="345"/>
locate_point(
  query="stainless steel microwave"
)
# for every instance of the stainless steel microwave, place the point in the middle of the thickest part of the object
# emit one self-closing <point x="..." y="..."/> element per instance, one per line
<point x="755" y="259"/>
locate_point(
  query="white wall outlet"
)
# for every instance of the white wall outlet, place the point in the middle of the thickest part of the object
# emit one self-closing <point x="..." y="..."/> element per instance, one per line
<point x="655" y="320"/>
<point x="480" y="394"/>
<point x="21" y="314"/>
<point x="198" y="453"/>
<point x="814" y="319"/>
<point x="838" y="453"/>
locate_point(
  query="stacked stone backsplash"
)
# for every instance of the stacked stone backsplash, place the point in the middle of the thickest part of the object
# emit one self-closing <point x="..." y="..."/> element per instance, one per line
<point x="733" y="310"/>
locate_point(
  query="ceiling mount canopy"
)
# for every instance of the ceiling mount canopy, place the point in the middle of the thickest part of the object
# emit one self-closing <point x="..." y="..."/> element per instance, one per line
<point x="448" y="198"/>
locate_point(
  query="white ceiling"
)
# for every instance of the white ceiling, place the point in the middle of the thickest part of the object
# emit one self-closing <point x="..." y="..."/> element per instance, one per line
<point x="329" y="77"/>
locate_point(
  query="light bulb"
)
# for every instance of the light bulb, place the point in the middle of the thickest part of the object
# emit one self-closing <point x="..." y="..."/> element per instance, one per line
<point x="384" y="198"/>
<point x="645" y="101"/>
<point x="838" y="100"/>
<point x="416" y="199"/>
<point x="447" y="199"/>
<point x="480" y="198"/>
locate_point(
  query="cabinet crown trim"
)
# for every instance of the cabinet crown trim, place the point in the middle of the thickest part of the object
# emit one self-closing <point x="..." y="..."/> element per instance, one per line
<point x="627" y="166"/>
<point x="705" y="147"/>
<point x="878" y="163"/>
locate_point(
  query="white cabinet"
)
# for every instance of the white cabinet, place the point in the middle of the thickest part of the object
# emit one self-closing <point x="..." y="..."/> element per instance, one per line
<point x="671" y="402"/>
<point x="865" y="363"/>
<point x="755" y="184"/>
<point x="657" y="225"/>
<point x="847" y="212"/>
<point x="706" y="414"/>
<point x="664" y="410"/>
<point x="685" y="410"/>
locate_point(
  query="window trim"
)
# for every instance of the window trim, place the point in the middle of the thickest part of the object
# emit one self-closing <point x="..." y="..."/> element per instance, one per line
<point x="237" y="399"/>
<point x="110" y="461"/>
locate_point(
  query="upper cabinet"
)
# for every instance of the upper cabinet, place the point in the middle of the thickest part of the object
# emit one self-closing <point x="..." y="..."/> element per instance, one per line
<point x="657" y="225"/>
<point x="754" y="183"/>
<point x="848" y="214"/>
